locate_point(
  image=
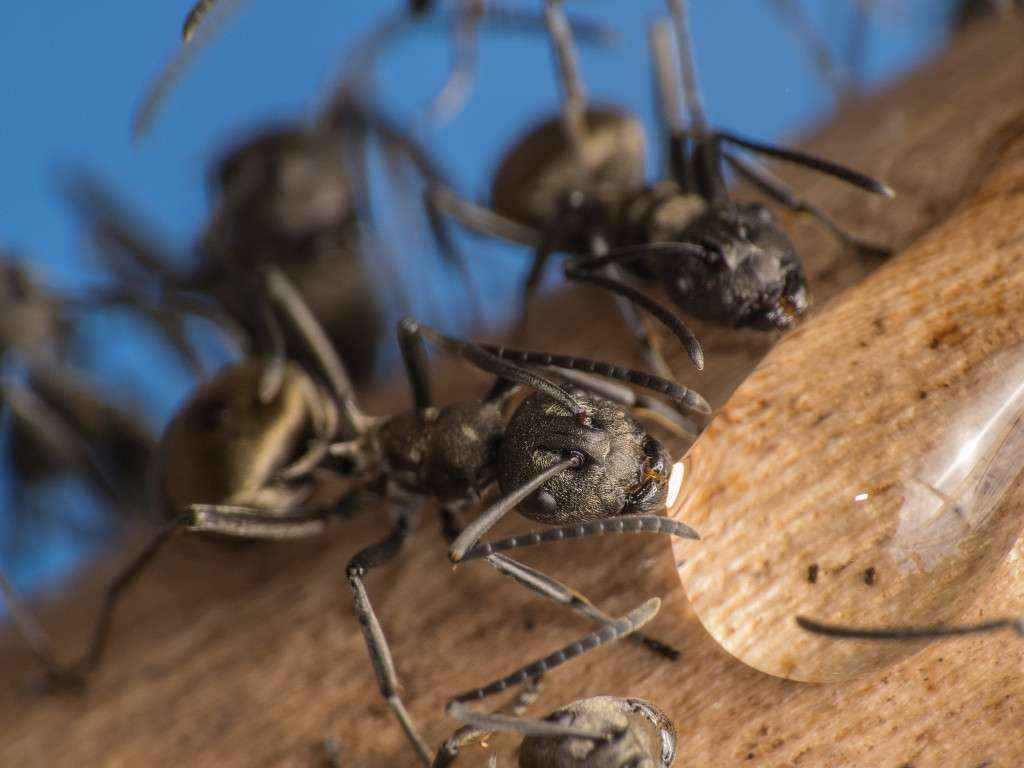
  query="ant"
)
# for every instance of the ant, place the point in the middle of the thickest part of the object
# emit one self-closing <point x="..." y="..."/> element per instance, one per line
<point x="60" y="423"/>
<point x="575" y="183"/>
<point x="237" y="465"/>
<point x="598" y="732"/>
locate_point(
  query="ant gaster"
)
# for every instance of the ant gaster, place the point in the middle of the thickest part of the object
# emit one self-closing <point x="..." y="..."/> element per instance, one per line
<point x="717" y="258"/>
<point x="254" y="468"/>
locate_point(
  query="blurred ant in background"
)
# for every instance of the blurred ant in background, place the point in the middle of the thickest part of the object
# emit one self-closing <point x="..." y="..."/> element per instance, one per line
<point x="575" y="184"/>
<point x="235" y="464"/>
<point x="59" y="424"/>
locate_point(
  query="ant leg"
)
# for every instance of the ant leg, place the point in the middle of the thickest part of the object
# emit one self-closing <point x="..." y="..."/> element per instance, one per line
<point x="550" y="588"/>
<point x="837" y="81"/>
<point x="376" y="644"/>
<point x="290" y="301"/>
<point x="478" y="218"/>
<point x="574" y="96"/>
<point x="196" y="32"/>
<point x="909" y="633"/>
<point x="668" y="417"/>
<point x="410" y="342"/>
<point x="28" y="626"/>
<point x="674" y="324"/>
<point x="456" y="707"/>
<point x="685" y="400"/>
<point x="619" y="524"/>
<point x="226" y="520"/>
<point x="774" y="188"/>
<point x="73" y="676"/>
<point x="459" y="83"/>
<point x="449" y="751"/>
<point x="827" y="167"/>
<point x="490" y="363"/>
<point x="272" y="377"/>
<point x="541" y="584"/>
<point x="51" y="429"/>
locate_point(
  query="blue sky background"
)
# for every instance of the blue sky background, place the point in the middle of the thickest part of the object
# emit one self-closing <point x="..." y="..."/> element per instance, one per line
<point x="74" y="72"/>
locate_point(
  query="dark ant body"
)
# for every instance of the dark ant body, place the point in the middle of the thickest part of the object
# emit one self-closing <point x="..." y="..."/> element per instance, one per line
<point x="59" y="423"/>
<point x="581" y="190"/>
<point x="294" y="197"/>
<point x="234" y="463"/>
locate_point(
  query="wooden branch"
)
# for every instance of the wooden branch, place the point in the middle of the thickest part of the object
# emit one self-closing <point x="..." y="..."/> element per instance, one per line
<point x="250" y="656"/>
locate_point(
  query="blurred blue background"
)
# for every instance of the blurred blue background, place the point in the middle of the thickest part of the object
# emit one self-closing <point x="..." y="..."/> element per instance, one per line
<point x="74" y="73"/>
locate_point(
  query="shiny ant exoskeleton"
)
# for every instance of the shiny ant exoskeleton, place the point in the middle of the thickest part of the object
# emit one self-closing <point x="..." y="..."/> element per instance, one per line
<point x="575" y="183"/>
<point x="234" y="463"/>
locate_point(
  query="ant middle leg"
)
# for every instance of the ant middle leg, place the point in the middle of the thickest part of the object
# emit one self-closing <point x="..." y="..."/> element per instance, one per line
<point x="620" y="628"/>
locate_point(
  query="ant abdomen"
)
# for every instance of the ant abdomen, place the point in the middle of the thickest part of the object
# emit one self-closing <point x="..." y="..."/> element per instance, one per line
<point x="534" y="177"/>
<point x="623" y="469"/>
<point x="633" y="740"/>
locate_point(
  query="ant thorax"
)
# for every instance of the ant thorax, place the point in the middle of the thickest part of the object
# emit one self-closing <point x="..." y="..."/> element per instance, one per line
<point x="449" y="452"/>
<point x="624" y="470"/>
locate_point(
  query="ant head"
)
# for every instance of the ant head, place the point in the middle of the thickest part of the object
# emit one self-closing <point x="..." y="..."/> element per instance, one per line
<point x="288" y="182"/>
<point x="622" y="470"/>
<point x="229" y="440"/>
<point x="540" y="171"/>
<point x="631" y="741"/>
<point x="752" y="276"/>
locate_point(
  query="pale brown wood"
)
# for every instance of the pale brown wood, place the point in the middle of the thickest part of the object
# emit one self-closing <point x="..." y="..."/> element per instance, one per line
<point x="868" y="489"/>
<point x="248" y="656"/>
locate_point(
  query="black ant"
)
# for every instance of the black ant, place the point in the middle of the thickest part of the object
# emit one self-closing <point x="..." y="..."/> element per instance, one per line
<point x="236" y="464"/>
<point x="575" y="183"/>
<point x="599" y="732"/>
<point x="59" y="422"/>
<point x="291" y="196"/>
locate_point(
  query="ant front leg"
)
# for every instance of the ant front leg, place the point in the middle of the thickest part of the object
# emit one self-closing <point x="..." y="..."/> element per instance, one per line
<point x="622" y="627"/>
<point x="376" y="644"/>
<point x="551" y="589"/>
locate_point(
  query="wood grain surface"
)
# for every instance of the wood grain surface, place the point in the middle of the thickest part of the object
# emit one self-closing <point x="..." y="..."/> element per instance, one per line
<point x="250" y="656"/>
